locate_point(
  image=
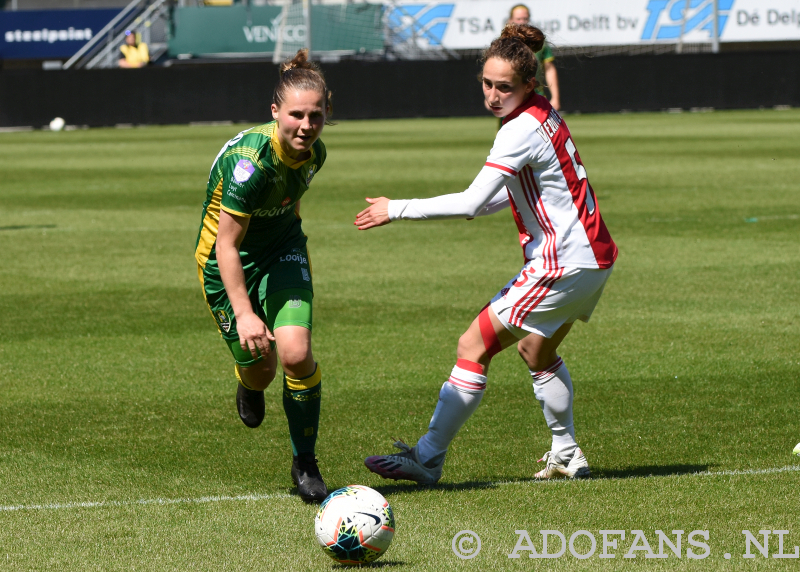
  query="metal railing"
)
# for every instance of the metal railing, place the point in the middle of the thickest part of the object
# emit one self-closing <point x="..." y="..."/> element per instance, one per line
<point x="101" y="49"/>
<point x="154" y="18"/>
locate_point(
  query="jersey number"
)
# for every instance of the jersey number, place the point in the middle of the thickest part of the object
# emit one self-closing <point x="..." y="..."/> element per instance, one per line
<point x="581" y="172"/>
<point x="236" y="139"/>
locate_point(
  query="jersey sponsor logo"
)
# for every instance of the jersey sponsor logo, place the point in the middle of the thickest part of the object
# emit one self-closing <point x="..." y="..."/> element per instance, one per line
<point x="223" y="320"/>
<point x="296" y="256"/>
<point x="311" y="172"/>
<point x="235" y="196"/>
<point x="274" y="211"/>
<point x="286" y="201"/>
<point x="548" y="129"/>
<point x="295" y="303"/>
<point x="243" y="171"/>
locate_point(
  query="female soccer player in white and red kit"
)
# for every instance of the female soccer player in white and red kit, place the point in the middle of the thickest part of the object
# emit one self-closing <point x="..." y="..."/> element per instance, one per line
<point x="534" y="168"/>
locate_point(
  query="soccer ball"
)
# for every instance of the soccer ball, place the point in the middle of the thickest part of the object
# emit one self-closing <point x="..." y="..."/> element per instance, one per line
<point x="57" y="124"/>
<point x="354" y="525"/>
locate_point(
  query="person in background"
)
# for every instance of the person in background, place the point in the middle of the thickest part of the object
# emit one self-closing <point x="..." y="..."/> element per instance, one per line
<point x="520" y="14"/>
<point x="136" y="53"/>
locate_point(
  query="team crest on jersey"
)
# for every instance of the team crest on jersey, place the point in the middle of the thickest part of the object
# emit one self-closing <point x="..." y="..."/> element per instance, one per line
<point x="243" y="171"/>
<point x="223" y="320"/>
<point x="311" y="171"/>
<point x="286" y="201"/>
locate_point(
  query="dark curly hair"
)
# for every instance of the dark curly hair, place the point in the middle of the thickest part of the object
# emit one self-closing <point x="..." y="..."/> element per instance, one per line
<point x="517" y="45"/>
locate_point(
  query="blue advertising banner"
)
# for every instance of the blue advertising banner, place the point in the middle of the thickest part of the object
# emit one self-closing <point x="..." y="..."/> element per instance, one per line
<point x="41" y="34"/>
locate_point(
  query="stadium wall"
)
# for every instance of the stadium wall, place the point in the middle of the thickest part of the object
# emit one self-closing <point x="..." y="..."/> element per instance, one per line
<point x="378" y="89"/>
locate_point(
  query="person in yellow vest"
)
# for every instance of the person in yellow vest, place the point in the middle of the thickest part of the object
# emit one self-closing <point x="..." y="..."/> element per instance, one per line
<point x="136" y="53"/>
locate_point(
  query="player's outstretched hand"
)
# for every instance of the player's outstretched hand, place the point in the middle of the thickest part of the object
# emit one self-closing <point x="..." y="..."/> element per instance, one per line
<point x="254" y="335"/>
<point x="377" y="214"/>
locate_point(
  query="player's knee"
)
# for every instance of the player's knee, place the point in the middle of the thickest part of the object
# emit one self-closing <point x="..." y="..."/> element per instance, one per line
<point x="469" y="349"/>
<point x="296" y="360"/>
<point x="527" y="356"/>
<point x="258" y="376"/>
<point x="535" y="360"/>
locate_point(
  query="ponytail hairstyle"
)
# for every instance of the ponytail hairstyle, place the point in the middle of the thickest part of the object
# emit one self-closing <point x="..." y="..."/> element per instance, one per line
<point x="300" y="74"/>
<point x="517" y="45"/>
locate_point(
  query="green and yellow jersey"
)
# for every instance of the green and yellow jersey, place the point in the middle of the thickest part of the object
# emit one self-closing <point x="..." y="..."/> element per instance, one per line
<point x="252" y="177"/>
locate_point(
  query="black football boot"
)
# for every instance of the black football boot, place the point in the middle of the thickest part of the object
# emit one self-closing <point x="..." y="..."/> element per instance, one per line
<point x="250" y="404"/>
<point x="305" y="475"/>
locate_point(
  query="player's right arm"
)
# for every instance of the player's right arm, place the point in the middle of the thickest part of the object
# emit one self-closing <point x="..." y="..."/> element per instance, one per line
<point x="253" y="333"/>
<point x="243" y="179"/>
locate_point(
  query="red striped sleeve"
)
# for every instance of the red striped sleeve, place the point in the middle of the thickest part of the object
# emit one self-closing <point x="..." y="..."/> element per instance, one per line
<point x="502" y="168"/>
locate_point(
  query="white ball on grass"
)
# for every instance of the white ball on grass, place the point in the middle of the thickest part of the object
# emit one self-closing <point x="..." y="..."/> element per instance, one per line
<point x="57" y="124"/>
<point x="796" y="450"/>
<point x="354" y="525"/>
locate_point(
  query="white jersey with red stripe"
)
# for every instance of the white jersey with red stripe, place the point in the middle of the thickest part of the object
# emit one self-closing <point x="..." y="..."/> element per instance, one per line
<point x="535" y="168"/>
<point x="553" y="203"/>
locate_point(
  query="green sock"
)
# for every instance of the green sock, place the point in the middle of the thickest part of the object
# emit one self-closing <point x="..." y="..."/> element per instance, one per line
<point x="301" y="403"/>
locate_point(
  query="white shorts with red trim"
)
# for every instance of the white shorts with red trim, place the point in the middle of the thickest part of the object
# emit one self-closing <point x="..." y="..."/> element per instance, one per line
<point x="540" y="301"/>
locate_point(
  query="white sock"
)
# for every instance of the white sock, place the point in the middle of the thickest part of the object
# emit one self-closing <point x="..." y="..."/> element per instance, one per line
<point x="459" y="397"/>
<point x="553" y="388"/>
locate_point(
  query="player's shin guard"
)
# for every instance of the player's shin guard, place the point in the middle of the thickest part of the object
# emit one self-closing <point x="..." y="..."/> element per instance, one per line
<point x="301" y="403"/>
<point x="553" y="388"/>
<point x="459" y="397"/>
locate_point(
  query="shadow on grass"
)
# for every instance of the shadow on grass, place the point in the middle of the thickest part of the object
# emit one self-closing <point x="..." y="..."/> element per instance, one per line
<point x="26" y="226"/>
<point x="648" y="471"/>
<point x="465" y="486"/>
<point x="378" y="564"/>
<point x="597" y="474"/>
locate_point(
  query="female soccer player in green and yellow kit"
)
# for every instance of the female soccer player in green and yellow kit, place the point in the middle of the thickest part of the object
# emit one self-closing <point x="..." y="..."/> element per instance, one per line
<point x="254" y="266"/>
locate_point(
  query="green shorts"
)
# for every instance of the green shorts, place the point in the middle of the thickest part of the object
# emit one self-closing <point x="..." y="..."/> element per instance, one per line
<point x="280" y="291"/>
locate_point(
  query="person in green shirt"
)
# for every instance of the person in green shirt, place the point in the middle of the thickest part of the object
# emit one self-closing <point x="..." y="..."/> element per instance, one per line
<point x="253" y="260"/>
<point x="521" y="14"/>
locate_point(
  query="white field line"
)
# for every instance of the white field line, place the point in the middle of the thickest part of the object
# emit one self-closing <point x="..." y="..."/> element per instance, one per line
<point x="260" y="497"/>
<point x="100" y="504"/>
<point x="786" y="469"/>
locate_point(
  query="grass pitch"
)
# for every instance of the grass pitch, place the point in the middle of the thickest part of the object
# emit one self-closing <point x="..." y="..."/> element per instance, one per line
<point x="120" y="446"/>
